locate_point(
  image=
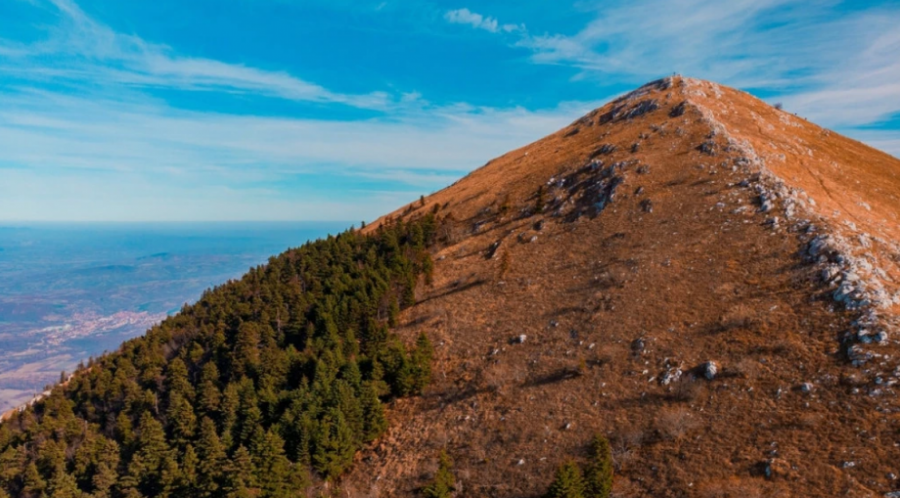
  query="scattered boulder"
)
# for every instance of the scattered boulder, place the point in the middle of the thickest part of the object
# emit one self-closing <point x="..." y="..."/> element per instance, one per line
<point x="493" y="249"/>
<point x="776" y="468"/>
<point x="520" y="339"/>
<point x="647" y="206"/>
<point x="709" y="369"/>
<point x="858" y="356"/>
<point x="805" y="388"/>
<point x="866" y="336"/>
<point x="766" y="203"/>
<point x="709" y="148"/>
<point x="670" y="376"/>
<point x="638" y="345"/>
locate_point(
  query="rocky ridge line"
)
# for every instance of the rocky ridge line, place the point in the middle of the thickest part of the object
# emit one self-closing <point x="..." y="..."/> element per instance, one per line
<point x="848" y="259"/>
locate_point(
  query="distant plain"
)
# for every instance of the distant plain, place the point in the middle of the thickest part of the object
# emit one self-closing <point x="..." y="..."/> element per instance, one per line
<point x="72" y="291"/>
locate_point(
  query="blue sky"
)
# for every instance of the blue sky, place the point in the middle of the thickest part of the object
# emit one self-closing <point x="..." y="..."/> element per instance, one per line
<point x="342" y="110"/>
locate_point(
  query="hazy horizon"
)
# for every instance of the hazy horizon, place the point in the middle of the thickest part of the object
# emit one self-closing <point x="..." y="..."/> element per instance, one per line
<point x="71" y="291"/>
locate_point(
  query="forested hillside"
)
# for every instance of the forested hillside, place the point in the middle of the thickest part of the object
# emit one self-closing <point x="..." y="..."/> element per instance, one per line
<point x="262" y="385"/>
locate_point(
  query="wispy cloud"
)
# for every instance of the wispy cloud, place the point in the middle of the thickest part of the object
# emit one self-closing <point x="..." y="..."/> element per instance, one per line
<point x="825" y="60"/>
<point x="243" y="165"/>
<point x="478" y="21"/>
<point x="113" y="143"/>
<point x="83" y="49"/>
<point x="52" y="129"/>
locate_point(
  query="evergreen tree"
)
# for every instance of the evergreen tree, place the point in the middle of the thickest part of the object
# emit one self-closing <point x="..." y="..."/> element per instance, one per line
<point x="568" y="482"/>
<point x="146" y="466"/>
<point x="444" y="481"/>
<point x="273" y="469"/>
<point x="246" y="350"/>
<point x="104" y="479"/>
<point x="375" y="421"/>
<point x="190" y="464"/>
<point x="422" y="358"/>
<point x="33" y="482"/>
<point x="170" y="476"/>
<point x="211" y="458"/>
<point x="182" y="420"/>
<point x="394" y="312"/>
<point x="208" y="398"/>
<point x="428" y="268"/>
<point x="344" y="398"/>
<point x="333" y="445"/>
<point x="229" y="414"/>
<point x="124" y="429"/>
<point x="177" y="379"/>
<point x="63" y="485"/>
<point x="598" y="475"/>
<point x="240" y="471"/>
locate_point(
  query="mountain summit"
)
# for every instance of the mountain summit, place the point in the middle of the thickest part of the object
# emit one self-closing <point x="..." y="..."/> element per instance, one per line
<point x="708" y="280"/>
<point x="687" y="279"/>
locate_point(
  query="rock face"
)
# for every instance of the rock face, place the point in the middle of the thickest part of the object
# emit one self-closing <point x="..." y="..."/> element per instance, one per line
<point x="757" y="247"/>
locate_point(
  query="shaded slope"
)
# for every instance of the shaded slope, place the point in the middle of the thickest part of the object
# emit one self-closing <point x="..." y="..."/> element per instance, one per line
<point x="681" y="224"/>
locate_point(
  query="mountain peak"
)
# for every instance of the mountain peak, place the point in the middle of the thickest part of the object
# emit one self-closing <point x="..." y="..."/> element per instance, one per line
<point x="680" y="225"/>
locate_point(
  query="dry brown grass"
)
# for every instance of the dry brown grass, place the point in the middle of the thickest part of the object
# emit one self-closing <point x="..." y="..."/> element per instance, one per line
<point x="675" y="423"/>
<point x="686" y="389"/>
<point x="731" y="489"/>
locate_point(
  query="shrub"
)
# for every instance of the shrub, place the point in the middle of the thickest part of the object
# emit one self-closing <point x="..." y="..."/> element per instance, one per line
<point x="539" y="200"/>
<point x="504" y="264"/>
<point x="444" y="480"/>
<point x="675" y="423"/>
<point x="505" y="206"/>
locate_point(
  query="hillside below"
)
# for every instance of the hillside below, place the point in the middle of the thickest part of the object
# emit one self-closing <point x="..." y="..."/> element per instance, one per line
<point x="705" y="279"/>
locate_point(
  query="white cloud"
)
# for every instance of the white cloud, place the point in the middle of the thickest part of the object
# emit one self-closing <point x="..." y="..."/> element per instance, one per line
<point x="886" y="141"/>
<point x="99" y="153"/>
<point x="478" y="21"/>
<point x="85" y="50"/>
<point x="837" y="67"/>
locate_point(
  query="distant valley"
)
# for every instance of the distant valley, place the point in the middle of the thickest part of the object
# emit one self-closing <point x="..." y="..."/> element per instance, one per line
<point x="72" y="292"/>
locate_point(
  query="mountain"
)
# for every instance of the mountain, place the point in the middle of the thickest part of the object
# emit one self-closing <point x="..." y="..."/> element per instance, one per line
<point x="683" y="225"/>
<point x="700" y="280"/>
